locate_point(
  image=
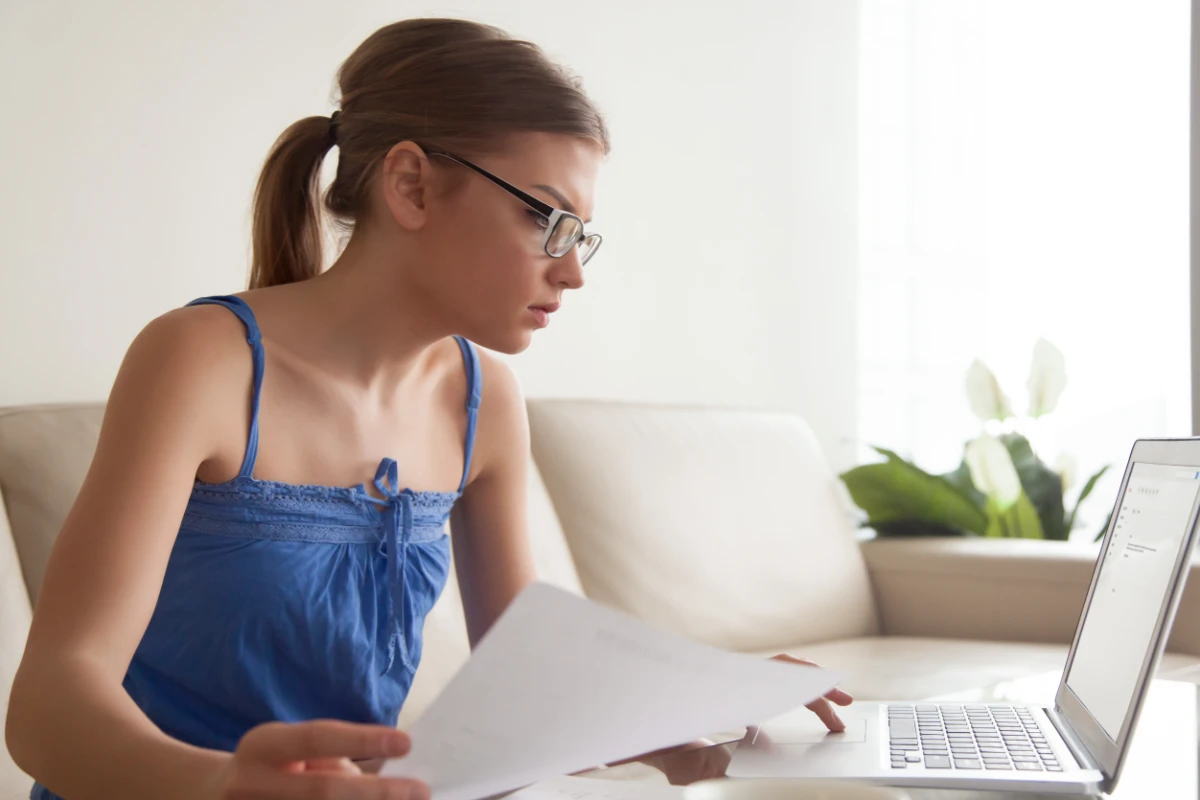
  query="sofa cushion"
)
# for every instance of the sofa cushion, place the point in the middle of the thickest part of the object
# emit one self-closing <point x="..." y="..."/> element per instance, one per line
<point x="45" y="452"/>
<point x="15" y="614"/>
<point x="912" y="668"/>
<point x="725" y="526"/>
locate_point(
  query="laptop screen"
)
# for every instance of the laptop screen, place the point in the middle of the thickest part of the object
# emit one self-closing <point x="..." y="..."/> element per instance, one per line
<point x="1135" y="577"/>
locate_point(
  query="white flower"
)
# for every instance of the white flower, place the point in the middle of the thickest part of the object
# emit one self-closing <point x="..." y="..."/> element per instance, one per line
<point x="984" y="394"/>
<point x="1068" y="469"/>
<point x="992" y="470"/>
<point x="1047" y="378"/>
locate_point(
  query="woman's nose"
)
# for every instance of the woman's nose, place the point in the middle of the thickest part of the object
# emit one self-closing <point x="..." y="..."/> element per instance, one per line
<point x="567" y="271"/>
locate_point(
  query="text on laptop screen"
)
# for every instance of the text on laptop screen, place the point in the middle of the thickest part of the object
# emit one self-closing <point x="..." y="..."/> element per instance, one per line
<point x="1151" y="526"/>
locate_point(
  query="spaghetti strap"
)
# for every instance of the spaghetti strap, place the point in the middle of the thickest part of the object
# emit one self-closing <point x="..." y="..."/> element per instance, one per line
<point x="254" y="337"/>
<point x="474" y="395"/>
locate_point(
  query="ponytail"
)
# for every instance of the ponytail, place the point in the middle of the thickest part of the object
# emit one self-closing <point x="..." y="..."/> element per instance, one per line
<point x="287" y="242"/>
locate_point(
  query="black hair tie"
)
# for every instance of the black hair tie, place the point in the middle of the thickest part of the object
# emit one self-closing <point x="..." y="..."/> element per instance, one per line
<point x="334" y="119"/>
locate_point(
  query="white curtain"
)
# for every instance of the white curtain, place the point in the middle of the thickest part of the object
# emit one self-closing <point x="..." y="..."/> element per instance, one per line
<point x="1024" y="174"/>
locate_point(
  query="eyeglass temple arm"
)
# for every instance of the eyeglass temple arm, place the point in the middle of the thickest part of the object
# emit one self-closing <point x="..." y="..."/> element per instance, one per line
<point x="544" y="209"/>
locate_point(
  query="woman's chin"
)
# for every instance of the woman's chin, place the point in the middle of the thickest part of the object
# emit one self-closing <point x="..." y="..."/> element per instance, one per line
<point x="508" y="342"/>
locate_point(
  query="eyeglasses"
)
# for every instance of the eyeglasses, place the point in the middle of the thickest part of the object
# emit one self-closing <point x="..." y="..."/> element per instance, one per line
<point x="564" y="230"/>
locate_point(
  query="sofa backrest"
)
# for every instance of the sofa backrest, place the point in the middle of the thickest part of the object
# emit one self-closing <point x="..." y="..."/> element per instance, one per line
<point x="725" y="526"/>
<point x="45" y="452"/>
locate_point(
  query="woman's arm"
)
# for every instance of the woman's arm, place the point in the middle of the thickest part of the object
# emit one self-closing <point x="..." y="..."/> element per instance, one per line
<point x="70" y="723"/>
<point x="489" y="524"/>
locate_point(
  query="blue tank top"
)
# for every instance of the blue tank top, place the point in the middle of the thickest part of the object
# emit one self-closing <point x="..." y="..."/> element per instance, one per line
<point x="292" y="602"/>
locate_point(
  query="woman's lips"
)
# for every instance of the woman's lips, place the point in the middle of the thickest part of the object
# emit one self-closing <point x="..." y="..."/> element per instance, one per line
<point x="541" y="314"/>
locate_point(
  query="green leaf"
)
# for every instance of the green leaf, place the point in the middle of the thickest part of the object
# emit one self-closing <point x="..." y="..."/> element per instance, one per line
<point x="1042" y="484"/>
<point x="1021" y="521"/>
<point x="1083" y="493"/>
<point x="897" y="491"/>
<point x="1028" y="520"/>
<point x="961" y="479"/>
<point x="1104" y="530"/>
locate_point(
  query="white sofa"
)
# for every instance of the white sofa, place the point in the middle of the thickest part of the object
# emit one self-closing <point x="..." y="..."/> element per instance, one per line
<point x="726" y="526"/>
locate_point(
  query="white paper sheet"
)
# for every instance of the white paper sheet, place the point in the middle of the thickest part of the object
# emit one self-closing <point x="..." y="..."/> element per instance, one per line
<point x="561" y="684"/>
<point x="568" y="788"/>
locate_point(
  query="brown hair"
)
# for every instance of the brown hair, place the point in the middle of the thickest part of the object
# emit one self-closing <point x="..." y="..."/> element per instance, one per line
<point x="452" y="84"/>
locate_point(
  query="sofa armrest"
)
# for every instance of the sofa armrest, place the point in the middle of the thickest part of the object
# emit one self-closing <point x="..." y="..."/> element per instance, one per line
<point x="997" y="589"/>
<point x="968" y="588"/>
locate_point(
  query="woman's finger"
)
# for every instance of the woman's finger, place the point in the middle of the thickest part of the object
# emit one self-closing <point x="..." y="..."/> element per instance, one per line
<point x="826" y="714"/>
<point x="840" y="697"/>
<point x="281" y="742"/>
<point x="342" y="766"/>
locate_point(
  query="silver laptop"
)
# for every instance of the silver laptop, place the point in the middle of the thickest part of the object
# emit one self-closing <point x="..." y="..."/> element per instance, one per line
<point x="1079" y="745"/>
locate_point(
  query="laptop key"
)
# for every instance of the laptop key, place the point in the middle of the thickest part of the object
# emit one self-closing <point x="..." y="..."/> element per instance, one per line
<point x="937" y="762"/>
<point x="901" y="729"/>
<point x="966" y="763"/>
<point x="913" y="758"/>
<point x="1028" y="766"/>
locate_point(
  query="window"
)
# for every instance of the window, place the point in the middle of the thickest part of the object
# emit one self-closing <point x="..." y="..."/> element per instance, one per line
<point x="1024" y="174"/>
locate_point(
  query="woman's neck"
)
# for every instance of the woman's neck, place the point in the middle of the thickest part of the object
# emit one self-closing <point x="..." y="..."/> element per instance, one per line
<point x="359" y="320"/>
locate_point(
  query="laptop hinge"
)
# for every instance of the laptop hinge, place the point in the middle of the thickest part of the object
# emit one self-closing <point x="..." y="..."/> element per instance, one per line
<point x="1077" y="748"/>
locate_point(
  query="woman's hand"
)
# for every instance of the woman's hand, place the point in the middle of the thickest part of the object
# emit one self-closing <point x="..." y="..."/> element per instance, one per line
<point x="700" y="760"/>
<point x="317" y="760"/>
<point x="821" y="706"/>
<point x="687" y="763"/>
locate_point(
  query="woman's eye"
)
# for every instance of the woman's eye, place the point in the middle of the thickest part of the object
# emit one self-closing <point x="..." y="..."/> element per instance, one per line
<point x="537" y="218"/>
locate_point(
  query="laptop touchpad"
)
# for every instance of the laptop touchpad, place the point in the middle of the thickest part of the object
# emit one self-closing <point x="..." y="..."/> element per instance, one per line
<point x="801" y="733"/>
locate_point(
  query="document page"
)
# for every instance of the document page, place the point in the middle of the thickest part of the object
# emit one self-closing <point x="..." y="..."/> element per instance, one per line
<point x="561" y="684"/>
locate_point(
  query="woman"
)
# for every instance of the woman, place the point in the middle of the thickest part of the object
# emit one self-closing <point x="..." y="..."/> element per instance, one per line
<point x="239" y="615"/>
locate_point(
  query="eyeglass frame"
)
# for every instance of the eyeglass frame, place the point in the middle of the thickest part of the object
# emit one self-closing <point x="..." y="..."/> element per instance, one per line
<point x="552" y="214"/>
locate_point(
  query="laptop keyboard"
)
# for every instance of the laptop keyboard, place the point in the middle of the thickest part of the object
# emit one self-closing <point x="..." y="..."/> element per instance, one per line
<point x="972" y="737"/>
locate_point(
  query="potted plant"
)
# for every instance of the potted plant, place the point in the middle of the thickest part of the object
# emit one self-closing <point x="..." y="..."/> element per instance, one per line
<point x="1001" y="488"/>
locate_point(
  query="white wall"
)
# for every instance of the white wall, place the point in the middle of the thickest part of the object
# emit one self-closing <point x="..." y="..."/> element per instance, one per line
<point x="133" y="132"/>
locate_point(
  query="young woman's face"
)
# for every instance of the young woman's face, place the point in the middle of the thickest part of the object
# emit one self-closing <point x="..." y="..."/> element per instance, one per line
<point x="493" y="278"/>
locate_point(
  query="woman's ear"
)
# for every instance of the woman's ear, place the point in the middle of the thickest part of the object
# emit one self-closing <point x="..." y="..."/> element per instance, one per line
<point x="405" y="177"/>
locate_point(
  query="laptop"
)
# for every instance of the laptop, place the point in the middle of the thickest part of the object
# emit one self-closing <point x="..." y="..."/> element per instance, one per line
<point x="1079" y="745"/>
